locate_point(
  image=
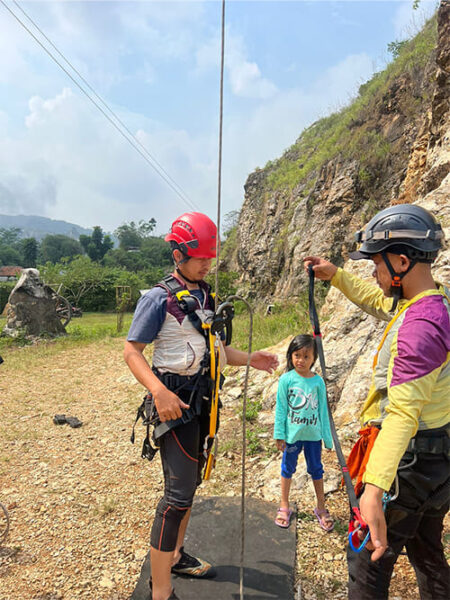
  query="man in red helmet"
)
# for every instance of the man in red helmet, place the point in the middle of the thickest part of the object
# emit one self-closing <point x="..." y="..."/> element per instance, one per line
<point x="178" y="383"/>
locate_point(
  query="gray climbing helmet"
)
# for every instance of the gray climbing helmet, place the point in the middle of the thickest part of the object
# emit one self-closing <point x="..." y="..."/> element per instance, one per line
<point x="404" y="228"/>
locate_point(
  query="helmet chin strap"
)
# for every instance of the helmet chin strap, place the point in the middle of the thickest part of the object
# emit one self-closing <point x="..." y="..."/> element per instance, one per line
<point x="185" y="258"/>
<point x="396" y="283"/>
<point x="181" y="274"/>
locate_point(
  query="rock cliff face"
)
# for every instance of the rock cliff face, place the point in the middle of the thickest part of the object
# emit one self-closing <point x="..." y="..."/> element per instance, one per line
<point x="418" y="173"/>
<point x="351" y="337"/>
<point x="400" y="155"/>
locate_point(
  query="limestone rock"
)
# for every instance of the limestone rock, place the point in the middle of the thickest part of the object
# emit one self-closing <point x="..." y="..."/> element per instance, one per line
<point x="278" y="227"/>
<point x="32" y="308"/>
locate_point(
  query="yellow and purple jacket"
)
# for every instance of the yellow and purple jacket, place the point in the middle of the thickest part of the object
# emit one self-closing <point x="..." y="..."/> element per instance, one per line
<point x="410" y="387"/>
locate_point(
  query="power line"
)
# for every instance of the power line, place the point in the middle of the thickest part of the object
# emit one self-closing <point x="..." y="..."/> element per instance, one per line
<point x="102" y="101"/>
<point x="130" y="138"/>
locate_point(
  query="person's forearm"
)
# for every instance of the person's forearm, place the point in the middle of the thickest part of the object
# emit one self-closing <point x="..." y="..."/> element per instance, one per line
<point x="235" y="357"/>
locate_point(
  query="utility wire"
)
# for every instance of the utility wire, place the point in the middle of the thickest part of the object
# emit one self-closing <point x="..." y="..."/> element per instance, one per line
<point x="130" y="138"/>
<point x="101" y="100"/>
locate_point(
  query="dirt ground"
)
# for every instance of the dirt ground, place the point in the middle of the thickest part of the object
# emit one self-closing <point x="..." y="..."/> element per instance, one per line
<point x="81" y="500"/>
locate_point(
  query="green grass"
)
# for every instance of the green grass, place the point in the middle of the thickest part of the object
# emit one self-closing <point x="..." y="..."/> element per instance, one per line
<point x="90" y="327"/>
<point x="289" y="318"/>
<point x="94" y="326"/>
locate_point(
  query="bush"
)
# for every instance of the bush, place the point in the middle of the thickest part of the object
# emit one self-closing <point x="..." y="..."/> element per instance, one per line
<point x="6" y="287"/>
<point x="92" y="287"/>
<point x="227" y="283"/>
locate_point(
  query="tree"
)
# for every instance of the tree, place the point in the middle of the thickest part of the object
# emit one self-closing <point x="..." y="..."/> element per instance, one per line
<point x="156" y="252"/>
<point x="396" y="47"/>
<point x="9" y="256"/>
<point x="131" y="261"/>
<point x="153" y="252"/>
<point x="79" y="276"/>
<point x="56" y="247"/>
<point x="230" y="221"/>
<point x="97" y="244"/>
<point x="132" y="234"/>
<point x="29" y="252"/>
<point x="10" y="236"/>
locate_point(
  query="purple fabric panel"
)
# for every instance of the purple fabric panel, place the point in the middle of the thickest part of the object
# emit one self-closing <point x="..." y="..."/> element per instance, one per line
<point x="423" y="340"/>
<point x="173" y="308"/>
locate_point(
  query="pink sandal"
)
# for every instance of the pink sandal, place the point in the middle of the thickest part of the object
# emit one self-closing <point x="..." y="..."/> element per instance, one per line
<point x="324" y="515"/>
<point x="285" y="514"/>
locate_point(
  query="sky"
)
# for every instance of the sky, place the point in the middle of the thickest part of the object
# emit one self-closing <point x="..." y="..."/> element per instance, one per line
<point x="157" y="66"/>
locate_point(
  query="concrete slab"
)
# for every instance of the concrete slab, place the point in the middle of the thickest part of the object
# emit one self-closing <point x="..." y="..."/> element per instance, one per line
<point x="214" y="533"/>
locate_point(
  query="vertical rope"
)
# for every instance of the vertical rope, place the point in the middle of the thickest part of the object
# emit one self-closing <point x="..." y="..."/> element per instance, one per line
<point x="244" y="453"/>
<point x="219" y="173"/>
<point x="216" y="285"/>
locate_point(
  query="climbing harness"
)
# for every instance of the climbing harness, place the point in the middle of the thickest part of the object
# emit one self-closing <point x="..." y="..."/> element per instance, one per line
<point x="201" y="388"/>
<point x="354" y="504"/>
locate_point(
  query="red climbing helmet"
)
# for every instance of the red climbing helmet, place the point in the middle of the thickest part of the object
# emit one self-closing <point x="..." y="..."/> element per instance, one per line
<point x="195" y="235"/>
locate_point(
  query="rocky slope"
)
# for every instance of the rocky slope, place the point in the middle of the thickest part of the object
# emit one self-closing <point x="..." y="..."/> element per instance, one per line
<point x="418" y="173"/>
<point x="389" y="146"/>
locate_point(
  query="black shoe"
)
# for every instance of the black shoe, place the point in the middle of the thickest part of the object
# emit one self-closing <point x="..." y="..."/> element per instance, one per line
<point x="193" y="567"/>
<point x="59" y="419"/>
<point x="172" y="596"/>
<point x="74" y="422"/>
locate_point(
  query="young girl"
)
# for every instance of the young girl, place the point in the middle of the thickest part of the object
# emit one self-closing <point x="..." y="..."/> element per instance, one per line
<point x="301" y="423"/>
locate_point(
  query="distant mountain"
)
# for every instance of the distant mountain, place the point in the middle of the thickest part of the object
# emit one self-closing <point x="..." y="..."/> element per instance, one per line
<point x="39" y="227"/>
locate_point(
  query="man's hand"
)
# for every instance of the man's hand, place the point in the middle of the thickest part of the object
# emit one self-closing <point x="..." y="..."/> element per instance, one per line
<point x="168" y="404"/>
<point x="264" y="361"/>
<point x="371" y="508"/>
<point x="323" y="269"/>
<point x="281" y="445"/>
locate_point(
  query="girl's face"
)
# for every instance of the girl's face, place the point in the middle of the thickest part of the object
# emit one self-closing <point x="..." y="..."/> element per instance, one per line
<point x="303" y="360"/>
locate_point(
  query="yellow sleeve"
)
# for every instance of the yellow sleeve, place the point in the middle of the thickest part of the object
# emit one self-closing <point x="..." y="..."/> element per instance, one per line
<point x="367" y="296"/>
<point x="406" y="402"/>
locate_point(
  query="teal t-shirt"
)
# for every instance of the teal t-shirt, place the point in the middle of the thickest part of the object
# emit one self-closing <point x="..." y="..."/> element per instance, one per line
<point x="301" y="410"/>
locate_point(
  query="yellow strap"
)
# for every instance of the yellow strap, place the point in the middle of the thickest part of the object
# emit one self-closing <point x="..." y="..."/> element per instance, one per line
<point x="214" y="352"/>
<point x="210" y="463"/>
<point x="215" y="375"/>
<point x="182" y="293"/>
<point x="401" y="311"/>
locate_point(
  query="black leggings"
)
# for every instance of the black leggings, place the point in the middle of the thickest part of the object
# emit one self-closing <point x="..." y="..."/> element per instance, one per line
<point x="410" y="527"/>
<point x="182" y="461"/>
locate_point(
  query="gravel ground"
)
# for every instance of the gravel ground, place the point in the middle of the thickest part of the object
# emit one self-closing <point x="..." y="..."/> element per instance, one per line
<point x="81" y="500"/>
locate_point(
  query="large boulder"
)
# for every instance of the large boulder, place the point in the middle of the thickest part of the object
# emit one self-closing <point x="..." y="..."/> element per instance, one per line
<point x="31" y="309"/>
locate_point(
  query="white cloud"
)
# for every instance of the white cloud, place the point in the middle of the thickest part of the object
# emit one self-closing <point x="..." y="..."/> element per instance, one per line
<point x="246" y="79"/>
<point x="40" y="108"/>
<point x="341" y="81"/>
<point x="71" y="164"/>
<point x="244" y="74"/>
